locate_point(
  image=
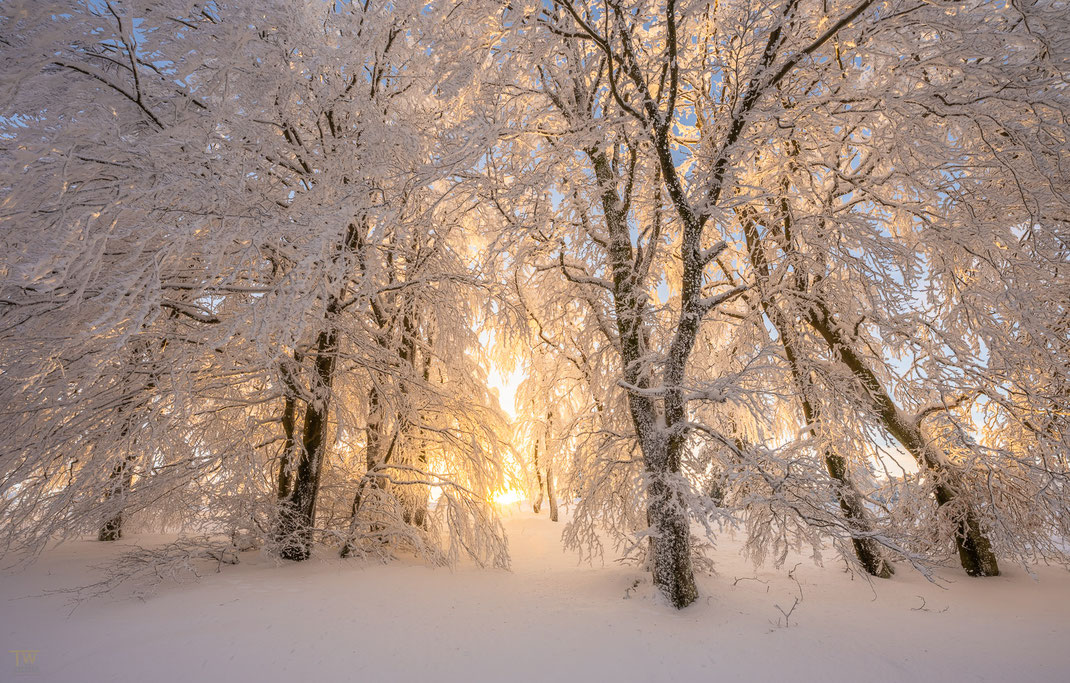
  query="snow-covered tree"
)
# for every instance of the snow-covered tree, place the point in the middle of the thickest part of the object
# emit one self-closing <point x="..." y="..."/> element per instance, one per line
<point x="205" y="226"/>
<point x="800" y="266"/>
<point x="785" y="171"/>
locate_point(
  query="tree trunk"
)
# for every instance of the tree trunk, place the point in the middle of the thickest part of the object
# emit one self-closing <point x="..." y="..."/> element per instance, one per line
<point x="670" y="542"/>
<point x="975" y="550"/>
<point x="417" y="495"/>
<point x="373" y="460"/>
<point x="660" y="441"/>
<point x="866" y="549"/>
<point x="550" y="495"/>
<point x="376" y="464"/>
<point x="121" y="478"/>
<point x="297" y="513"/>
<point x="122" y="475"/>
<point x="286" y="522"/>
<point x="537" y="505"/>
<point x="289" y="420"/>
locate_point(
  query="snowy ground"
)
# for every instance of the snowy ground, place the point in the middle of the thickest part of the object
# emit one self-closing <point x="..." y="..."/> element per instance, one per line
<point x="548" y="619"/>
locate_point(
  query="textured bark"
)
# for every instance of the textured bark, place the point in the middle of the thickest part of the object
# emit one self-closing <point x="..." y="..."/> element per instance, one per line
<point x="289" y="419"/>
<point x="112" y="529"/>
<point x="670" y="545"/>
<point x="289" y="429"/>
<point x="660" y="439"/>
<point x="297" y="512"/>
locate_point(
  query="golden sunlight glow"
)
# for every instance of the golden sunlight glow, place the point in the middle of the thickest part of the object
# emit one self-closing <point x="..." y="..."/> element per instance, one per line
<point x="506" y="385"/>
<point x="509" y="497"/>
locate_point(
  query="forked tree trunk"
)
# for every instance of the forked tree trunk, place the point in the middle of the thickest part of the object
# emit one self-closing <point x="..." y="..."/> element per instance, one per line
<point x="629" y="270"/>
<point x="297" y="511"/>
<point x="546" y="486"/>
<point x="667" y="514"/>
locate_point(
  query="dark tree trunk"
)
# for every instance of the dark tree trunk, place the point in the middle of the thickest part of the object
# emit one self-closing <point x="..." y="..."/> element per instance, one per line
<point x="112" y="529"/>
<point x="661" y="445"/>
<point x="121" y="479"/>
<point x="867" y="550"/>
<point x="289" y="431"/>
<point x="297" y="513"/>
<point x="287" y="521"/>
<point x="122" y="475"/>
<point x="975" y="550"/>
<point x="289" y="419"/>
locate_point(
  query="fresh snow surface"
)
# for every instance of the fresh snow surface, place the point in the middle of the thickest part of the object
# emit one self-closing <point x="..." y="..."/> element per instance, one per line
<point x="550" y="618"/>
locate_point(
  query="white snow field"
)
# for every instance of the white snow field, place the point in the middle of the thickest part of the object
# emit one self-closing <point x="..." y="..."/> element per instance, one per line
<point x="548" y="619"/>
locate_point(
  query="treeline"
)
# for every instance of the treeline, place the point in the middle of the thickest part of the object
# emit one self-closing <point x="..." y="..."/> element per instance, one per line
<point x="798" y="266"/>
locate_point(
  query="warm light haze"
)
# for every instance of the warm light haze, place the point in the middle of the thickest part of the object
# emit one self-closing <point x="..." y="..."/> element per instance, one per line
<point x="560" y="340"/>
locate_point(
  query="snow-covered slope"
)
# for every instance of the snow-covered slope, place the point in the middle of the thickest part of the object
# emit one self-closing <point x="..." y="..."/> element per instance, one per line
<point x="548" y="619"/>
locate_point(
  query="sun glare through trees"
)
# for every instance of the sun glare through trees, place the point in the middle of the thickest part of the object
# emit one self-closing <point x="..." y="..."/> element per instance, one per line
<point x="674" y="284"/>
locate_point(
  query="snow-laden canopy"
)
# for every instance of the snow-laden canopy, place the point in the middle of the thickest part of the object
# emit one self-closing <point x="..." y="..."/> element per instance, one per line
<point x="798" y="266"/>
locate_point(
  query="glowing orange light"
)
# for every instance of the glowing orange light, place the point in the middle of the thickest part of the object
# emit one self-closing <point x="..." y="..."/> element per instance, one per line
<point x="508" y="497"/>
